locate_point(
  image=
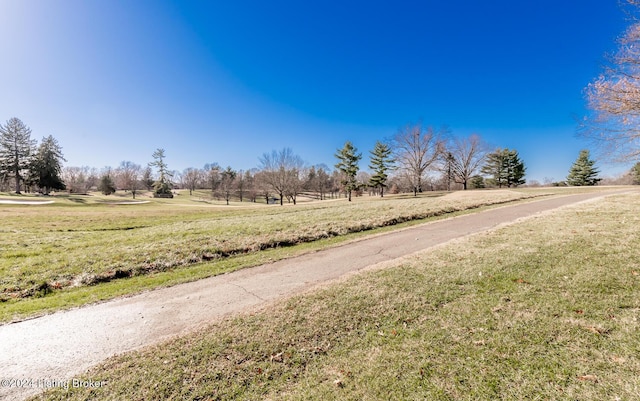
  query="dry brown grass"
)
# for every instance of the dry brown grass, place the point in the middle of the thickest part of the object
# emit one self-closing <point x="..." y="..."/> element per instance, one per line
<point x="544" y="309"/>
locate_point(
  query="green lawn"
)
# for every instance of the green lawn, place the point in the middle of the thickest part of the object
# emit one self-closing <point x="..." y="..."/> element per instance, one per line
<point x="72" y="251"/>
<point x="547" y="308"/>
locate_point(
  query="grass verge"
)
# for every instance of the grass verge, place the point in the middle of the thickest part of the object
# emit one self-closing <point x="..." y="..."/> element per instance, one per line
<point x="544" y="309"/>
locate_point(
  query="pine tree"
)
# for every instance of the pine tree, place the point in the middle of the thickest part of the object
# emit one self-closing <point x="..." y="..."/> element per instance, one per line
<point x="162" y="187"/>
<point x="583" y="171"/>
<point x="635" y="173"/>
<point x="348" y="165"/>
<point x="381" y="162"/>
<point x="515" y="169"/>
<point x="106" y="185"/>
<point x="16" y="150"/>
<point x="495" y="167"/>
<point x="46" y="167"/>
<point x="505" y="168"/>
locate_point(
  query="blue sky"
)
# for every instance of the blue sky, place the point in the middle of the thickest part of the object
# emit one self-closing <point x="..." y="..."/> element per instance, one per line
<point x="226" y="81"/>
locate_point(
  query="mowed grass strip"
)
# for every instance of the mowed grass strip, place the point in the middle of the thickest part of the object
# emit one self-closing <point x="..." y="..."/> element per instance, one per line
<point x="544" y="309"/>
<point x="47" y="248"/>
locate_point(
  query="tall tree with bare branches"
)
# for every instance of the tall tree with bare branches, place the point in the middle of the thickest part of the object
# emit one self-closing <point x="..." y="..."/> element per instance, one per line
<point x="128" y="175"/>
<point x="227" y="183"/>
<point x="614" y="99"/>
<point x="416" y="149"/>
<point x="464" y="157"/>
<point x="191" y="177"/>
<point x="281" y="170"/>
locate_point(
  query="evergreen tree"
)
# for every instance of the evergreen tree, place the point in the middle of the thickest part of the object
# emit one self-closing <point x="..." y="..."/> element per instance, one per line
<point x="477" y="182"/>
<point x="495" y="167"/>
<point x="46" y="166"/>
<point x="162" y="187"/>
<point x="16" y="150"/>
<point x="348" y="165"/>
<point x="635" y="173"/>
<point x="583" y="171"/>
<point x="381" y="162"/>
<point x="515" y="169"/>
<point x="106" y="185"/>
<point x="505" y="168"/>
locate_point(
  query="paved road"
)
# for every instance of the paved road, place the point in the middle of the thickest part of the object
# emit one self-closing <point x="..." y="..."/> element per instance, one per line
<point x="55" y="348"/>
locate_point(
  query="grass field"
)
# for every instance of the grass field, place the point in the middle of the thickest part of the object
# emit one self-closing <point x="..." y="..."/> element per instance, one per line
<point x="544" y="309"/>
<point x="72" y="251"/>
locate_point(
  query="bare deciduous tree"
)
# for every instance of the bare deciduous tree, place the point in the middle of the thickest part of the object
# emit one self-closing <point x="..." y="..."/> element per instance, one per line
<point x="281" y="171"/>
<point x="416" y="149"/>
<point x="128" y="176"/>
<point x="191" y="177"/>
<point x="318" y="180"/>
<point x="295" y="182"/>
<point x="464" y="157"/>
<point x="261" y="185"/>
<point x="80" y="179"/>
<point x="227" y="183"/>
<point x="212" y="172"/>
<point x="614" y="100"/>
<point x="244" y="185"/>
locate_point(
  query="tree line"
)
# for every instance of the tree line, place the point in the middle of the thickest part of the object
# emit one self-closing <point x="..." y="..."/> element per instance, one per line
<point x="26" y="162"/>
<point x="417" y="158"/>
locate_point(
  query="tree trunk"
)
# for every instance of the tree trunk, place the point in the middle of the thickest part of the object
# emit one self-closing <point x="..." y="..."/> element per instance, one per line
<point x="17" y="171"/>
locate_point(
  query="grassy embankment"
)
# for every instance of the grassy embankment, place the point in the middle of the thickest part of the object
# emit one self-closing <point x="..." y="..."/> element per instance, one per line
<point x="71" y="252"/>
<point x="543" y="309"/>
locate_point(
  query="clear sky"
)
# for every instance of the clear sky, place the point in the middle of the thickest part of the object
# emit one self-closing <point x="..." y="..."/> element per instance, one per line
<point x="226" y="81"/>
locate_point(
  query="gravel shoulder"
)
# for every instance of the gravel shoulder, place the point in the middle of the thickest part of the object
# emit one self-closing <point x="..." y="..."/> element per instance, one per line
<point x="62" y="345"/>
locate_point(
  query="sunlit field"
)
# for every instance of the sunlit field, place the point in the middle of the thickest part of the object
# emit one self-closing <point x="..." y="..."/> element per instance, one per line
<point x="81" y="241"/>
<point x="543" y="309"/>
